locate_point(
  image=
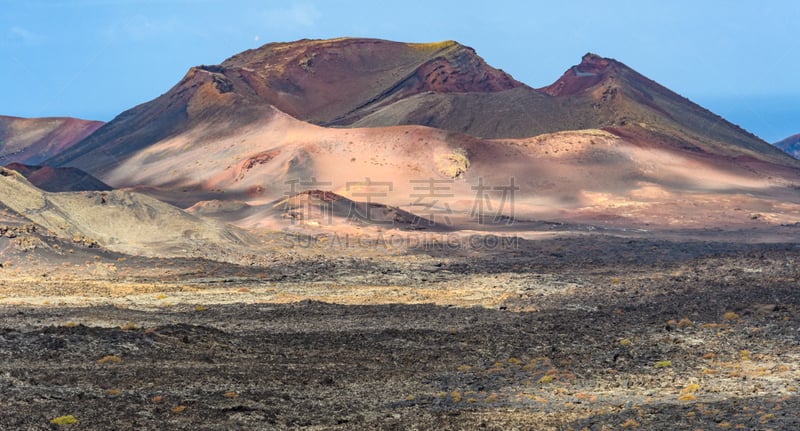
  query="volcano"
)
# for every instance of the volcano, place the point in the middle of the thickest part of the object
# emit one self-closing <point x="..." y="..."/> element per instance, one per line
<point x="372" y="83"/>
<point x="601" y="140"/>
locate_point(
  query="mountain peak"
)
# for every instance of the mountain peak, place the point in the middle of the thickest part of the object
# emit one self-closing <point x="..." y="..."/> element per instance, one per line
<point x="592" y="70"/>
<point x="315" y="80"/>
<point x="593" y="63"/>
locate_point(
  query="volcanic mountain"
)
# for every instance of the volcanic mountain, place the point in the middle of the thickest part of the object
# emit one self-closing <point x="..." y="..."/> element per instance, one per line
<point x="315" y="81"/>
<point x="33" y="140"/>
<point x="370" y="83"/>
<point x="354" y="117"/>
<point x="790" y="145"/>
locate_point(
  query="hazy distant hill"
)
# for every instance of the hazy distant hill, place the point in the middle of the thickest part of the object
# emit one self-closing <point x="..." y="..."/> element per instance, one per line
<point x="52" y="179"/>
<point x="791" y="145"/>
<point x="33" y="140"/>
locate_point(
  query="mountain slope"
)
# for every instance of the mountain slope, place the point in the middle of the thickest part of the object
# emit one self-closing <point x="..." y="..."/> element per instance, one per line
<point x="371" y="83"/>
<point x="52" y="179"/>
<point x="326" y="81"/>
<point x="220" y="139"/>
<point x="121" y="221"/>
<point x="33" y="140"/>
<point x="597" y="93"/>
<point x="790" y="145"/>
<point x="582" y="176"/>
<point x="626" y="99"/>
<point x="316" y="81"/>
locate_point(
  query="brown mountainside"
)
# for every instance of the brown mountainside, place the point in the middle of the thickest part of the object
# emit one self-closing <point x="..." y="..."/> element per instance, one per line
<point x="598" y="93"/>
<point x="331" y="81"/>
<point x="315" y="81"/>
<point x="372" y="83"/>
<point x="52" y="179"/>
<point x="33" y="140"/>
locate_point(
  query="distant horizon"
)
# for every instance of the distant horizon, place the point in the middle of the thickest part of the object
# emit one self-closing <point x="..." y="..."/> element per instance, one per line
<point x="94" y="59"/>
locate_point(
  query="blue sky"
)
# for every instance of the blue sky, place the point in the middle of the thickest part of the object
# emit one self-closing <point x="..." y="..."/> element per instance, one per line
<point x="96" y="58"/>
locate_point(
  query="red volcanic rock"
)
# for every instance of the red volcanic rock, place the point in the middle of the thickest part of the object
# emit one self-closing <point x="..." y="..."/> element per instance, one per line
<point x="592" y="70"/>
<point x="259" y="159"/>
<point x="25" y="170"/>
<point x="335" y="205"/>
<point x="321" y="195"/>
<point x="322" y="81"/>
<point x="465" y="72"/>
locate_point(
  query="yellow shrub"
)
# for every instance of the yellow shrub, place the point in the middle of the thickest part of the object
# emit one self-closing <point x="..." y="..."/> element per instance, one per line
<point x="129" y="326"/>
<point x="453" y="165"/>
<point x="730" y="315"/>
<point x="546" y="379"/>
<point x="64" y="420"/>
<point x="110" y="359"/>
<point x="178" y="409"/>
<point x="630" y="423"/>
<point x="690" y="388"/>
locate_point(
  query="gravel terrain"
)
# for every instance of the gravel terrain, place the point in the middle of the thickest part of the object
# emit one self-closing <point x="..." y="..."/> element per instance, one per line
<point x="576" y="332"/>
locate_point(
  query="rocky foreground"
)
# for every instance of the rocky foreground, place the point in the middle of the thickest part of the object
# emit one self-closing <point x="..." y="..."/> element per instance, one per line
<point x="571" y="333"/>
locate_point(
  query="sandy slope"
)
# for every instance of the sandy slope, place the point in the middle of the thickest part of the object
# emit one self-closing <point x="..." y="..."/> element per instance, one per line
<point x="580" y="176"/>
<point x="624" y="150"/>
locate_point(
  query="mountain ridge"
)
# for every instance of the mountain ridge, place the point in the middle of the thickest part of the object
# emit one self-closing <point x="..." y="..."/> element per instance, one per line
<point x="356" y="83"/>
<point x="603" y="143"/>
